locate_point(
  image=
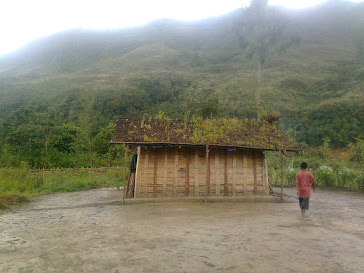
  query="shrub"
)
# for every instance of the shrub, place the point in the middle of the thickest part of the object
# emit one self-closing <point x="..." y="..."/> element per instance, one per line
<point x="13" y="199"/>
<point x="325" y="176"/>
<point x="351" y="178"/>
<point x="357" y="150"/>
<point x="345" y="178"/>
<point x="291" y="176"/>
<point x="324" y="149"/>
<point x="2" y="205"/>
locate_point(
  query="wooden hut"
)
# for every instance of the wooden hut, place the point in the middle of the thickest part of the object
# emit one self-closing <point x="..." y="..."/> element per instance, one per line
<point x="215" y="157"/>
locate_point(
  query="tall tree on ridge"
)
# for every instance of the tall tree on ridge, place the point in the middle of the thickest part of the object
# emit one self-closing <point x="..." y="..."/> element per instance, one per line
<point x="262" y="33"/>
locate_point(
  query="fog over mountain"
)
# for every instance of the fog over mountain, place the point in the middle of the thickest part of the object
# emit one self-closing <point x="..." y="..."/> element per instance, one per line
<point x="88" y="79"/>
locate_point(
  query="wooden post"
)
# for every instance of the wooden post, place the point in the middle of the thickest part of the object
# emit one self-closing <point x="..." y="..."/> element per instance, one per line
<point x="217" y="172"/>
<point x="282" y="158"/>
<point x="175" y="184"/>
<point x="233" y="173"/>
<point x="165" y="174"/>
<point x="245" y="169"/>
<point x="125" y="182"/>
<point x="226" y="175"/>
<point x="265" y="174"/>
<point x="255" y="172"/>
<point x="187" y="184"/>
<point x="197" y="183"/>
<point x="145" y="182"/>
<point x="137" y="174"/>
<point x="155" y="174"/>
<point x="207" y="185"/>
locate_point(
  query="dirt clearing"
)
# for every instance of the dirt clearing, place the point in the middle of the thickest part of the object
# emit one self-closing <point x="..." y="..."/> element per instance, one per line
<point x="91" y="232"/>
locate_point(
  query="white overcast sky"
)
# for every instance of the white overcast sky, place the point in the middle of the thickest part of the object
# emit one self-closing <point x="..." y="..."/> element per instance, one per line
<point x="24" y="20"/>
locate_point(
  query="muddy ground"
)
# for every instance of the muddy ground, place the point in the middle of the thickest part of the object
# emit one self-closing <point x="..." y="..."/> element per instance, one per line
<point x="91" y="232"/>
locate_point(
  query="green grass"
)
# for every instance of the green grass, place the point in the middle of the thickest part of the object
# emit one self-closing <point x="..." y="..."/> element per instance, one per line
<point x="12" y="199"/>
<point x="328" y="172"/>
<point x="19" y="185"/>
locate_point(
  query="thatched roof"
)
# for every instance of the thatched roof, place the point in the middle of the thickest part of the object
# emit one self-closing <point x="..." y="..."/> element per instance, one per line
<point x="219" y="132"/>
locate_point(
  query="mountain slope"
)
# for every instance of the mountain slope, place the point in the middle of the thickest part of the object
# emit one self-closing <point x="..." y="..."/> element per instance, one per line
<point x="90" y="78"/>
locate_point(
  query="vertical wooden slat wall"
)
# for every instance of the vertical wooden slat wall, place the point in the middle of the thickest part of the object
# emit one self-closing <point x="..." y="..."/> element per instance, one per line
<point x="187" y="174"/>
<point x="179" y="172"/>
<point x="175" y="170"/>
<point x="218" y="178"/>
<point x="196" y="173"/>
<point x="245" y="170"/>
<point x="165" y="171"/>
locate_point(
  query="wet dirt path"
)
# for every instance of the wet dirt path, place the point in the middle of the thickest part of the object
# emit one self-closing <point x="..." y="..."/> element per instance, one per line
<point x="91" y="232"/>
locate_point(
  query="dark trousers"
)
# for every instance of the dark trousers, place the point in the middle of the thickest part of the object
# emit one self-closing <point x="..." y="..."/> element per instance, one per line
<point x="304" y="202"/>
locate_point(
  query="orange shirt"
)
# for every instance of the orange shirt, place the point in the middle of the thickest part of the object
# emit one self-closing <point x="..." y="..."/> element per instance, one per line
<point x="304" y="180"/>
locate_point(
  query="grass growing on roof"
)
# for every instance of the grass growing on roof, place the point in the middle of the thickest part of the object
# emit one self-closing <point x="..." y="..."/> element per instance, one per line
<point x="221" y="131"/>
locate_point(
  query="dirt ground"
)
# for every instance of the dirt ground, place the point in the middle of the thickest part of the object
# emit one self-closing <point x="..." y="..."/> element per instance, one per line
<point x="91" y="232"/>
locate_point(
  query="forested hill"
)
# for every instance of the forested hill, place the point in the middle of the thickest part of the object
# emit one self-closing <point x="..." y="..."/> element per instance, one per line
<point x="58" y="94"/>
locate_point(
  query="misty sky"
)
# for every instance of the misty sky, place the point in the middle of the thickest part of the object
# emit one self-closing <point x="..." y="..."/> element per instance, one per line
<point x="24" y="20"/>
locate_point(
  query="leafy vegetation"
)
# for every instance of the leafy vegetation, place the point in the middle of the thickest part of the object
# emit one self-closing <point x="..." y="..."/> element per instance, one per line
<point x="18" y="185"/>
<point x="330" y="169"/>
<point x="61" y="96"/>
<point x="12" y="199"/>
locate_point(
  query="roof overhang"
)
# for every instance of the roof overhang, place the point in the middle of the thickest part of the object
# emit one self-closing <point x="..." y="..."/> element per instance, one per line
<point x="166" y="144"/>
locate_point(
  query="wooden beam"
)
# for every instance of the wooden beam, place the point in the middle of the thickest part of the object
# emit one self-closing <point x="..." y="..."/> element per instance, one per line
<point x="282" y="178"/>
<point x="245" y="170"/>
<point x="255" y="172"/>
<point x="155" y="174"/>
<point x="187" y="182"/>
<point x="197" y="166"/>
<point x="165" y="170"/>
<point x="145" y="182"/>
<point x="137" y="174"/>
<point x="265" y="171"/>
<point x="207" y="185"/>
<point x="202" y="145"/>
<point x="226" y="189"/>
<point x="128" y="186"/>
<point x="125" y="182"/>
<point x="175" y="171"/>
<point x="234" y="174"/>
<point x="217" y="172"/>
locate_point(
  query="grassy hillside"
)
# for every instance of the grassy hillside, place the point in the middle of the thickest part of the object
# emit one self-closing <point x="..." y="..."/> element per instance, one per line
<point x="73" y="84"/>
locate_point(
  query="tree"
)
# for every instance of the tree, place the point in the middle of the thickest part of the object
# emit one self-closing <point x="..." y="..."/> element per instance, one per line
<point x="262" y="34"/>
<point x="27" y="133"/>
<point x="102" y="140"/>
<point x="210" y="107"/>
<point x="204" y="103"/>
<point x="357" y="150"/>
<point x="65" y="138"/>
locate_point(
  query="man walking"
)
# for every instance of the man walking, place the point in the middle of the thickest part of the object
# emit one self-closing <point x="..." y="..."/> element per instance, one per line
<point x="304" y="180"/>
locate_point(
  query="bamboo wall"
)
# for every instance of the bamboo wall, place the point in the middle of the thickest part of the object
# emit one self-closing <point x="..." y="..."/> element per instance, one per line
<point x="179" y="172"/>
